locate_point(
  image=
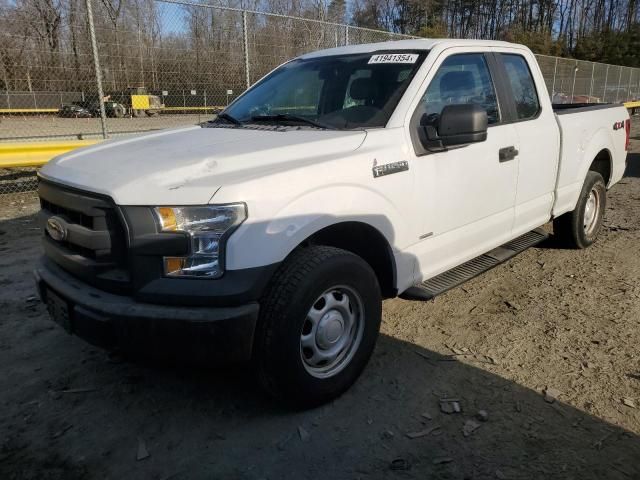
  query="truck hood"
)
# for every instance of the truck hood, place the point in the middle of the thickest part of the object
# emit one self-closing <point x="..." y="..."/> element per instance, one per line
<point x="188" y="165"/>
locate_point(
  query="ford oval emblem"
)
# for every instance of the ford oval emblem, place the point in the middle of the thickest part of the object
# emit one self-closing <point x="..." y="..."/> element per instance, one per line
<point x="56" y="229"/>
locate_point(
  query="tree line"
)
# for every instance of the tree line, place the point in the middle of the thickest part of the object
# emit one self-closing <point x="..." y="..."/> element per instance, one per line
<point x="45" y="44"/>
<point x="597" y="30"/>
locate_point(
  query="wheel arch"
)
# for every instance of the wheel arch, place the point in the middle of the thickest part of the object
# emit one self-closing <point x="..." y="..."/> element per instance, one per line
<point x="597" y="156"/>
<point x="367" y="242"/>
<point x="603" y="164"/>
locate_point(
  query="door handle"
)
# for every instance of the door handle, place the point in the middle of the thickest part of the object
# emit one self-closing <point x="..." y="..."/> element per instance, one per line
<point x="507" y="153"/>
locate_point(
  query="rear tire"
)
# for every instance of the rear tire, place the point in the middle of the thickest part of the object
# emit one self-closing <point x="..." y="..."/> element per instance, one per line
<point x="319" y="322"/>
<point x="118" y="111"/>
<point x="580" y="227"/>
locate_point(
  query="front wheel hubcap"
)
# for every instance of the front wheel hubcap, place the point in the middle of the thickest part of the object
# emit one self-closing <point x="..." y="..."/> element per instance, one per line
<point x="332" y="332"/>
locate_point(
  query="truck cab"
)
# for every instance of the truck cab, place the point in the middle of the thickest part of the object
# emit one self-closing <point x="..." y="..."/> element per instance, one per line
<point x="273" y="232"/>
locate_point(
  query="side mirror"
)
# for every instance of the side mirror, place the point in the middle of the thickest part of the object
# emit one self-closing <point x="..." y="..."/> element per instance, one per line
<point x="456" y="125"/>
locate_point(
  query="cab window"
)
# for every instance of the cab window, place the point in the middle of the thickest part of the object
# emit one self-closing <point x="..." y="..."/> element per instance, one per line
<point x="461" y="79"/>
<point x="522" y="86"/>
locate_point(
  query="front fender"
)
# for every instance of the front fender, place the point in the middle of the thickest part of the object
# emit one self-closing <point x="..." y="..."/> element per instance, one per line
<point x="258" y="243"/>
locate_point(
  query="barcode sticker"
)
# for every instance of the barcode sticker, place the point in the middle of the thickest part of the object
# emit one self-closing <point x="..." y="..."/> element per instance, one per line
<point x="394" y="58"/>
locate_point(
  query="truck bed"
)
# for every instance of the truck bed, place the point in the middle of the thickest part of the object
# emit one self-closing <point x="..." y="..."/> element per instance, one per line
<point x="565" y="108"/>
<point x="588" y="131"/>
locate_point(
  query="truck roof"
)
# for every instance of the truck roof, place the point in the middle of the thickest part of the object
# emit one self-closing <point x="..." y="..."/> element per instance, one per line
<point x="410" y="44"/>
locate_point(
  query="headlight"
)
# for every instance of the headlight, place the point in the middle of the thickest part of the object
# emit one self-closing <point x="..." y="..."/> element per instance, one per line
<point x="208" y="227"/>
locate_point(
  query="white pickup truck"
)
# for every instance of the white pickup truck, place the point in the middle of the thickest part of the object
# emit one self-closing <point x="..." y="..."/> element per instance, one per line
<point x="343" y="177"/>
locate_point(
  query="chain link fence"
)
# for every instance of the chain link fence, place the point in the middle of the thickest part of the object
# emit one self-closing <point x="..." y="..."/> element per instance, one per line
<point x="165" y="63"/>
<point x="160" y="64"/>
<point x="17" y="180"/>
<point x="102" y="69"/>
<point x="578" y="81"/>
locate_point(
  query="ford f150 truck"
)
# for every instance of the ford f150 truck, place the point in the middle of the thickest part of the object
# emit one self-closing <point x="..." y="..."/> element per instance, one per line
<point x="345" y="176"/>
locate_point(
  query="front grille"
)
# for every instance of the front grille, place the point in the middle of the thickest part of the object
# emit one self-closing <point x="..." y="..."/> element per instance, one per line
<point x="76" y="217"/>
<point x="95" y="246"/>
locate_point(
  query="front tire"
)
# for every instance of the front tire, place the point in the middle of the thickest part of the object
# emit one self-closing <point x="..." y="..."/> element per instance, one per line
<point x="580" y="227"/>
<point x="319" y="322"/>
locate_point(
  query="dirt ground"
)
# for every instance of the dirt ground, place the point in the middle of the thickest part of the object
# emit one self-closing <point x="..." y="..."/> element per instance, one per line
<point x="563" y="320"/>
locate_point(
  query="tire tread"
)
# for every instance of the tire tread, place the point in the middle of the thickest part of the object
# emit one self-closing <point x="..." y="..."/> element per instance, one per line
<point x="284" y="283"/>
<point x="567" y="228"/>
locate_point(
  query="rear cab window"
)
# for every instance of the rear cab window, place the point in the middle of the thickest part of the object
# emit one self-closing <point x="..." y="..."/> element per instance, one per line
<point x="523" y="87"/>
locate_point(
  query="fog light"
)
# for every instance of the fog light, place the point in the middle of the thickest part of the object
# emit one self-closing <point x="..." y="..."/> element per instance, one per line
<point x="173" y="264"/>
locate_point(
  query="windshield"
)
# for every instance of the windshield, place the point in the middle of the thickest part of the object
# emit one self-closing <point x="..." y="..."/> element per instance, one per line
<point x="339" y="92"/>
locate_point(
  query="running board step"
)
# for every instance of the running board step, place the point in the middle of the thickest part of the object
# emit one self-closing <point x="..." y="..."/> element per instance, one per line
<point x="429" y="289"/>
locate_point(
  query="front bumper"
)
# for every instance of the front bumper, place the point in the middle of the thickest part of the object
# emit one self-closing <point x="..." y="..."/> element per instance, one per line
<point x="200" y="334"/>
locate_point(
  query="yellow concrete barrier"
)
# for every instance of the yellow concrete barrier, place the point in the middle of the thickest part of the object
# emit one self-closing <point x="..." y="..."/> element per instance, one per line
<point x="29" y="110"/>
<point x="35" y="154"/>
<point x="168" y="109"/>
<point x="177" y="109"/>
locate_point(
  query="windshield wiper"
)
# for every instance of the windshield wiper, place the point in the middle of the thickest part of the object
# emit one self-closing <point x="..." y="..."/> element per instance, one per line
<point x="229" y="118"/>
<point x="285" y="117"/>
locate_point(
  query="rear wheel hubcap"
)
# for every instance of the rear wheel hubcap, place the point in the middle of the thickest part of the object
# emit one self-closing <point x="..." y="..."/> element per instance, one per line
<point x="591" y="212"/>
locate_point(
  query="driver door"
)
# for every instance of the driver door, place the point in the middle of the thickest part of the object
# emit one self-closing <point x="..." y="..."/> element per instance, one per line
<point x="467" y="193"/>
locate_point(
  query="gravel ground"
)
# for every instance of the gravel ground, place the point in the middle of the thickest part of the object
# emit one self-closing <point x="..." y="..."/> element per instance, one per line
<point x="551" y="320"/>
<point x="50" y="127"/>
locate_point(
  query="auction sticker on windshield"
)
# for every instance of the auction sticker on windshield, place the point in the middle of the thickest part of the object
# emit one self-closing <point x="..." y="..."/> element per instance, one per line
<point x="394" y="58"/>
